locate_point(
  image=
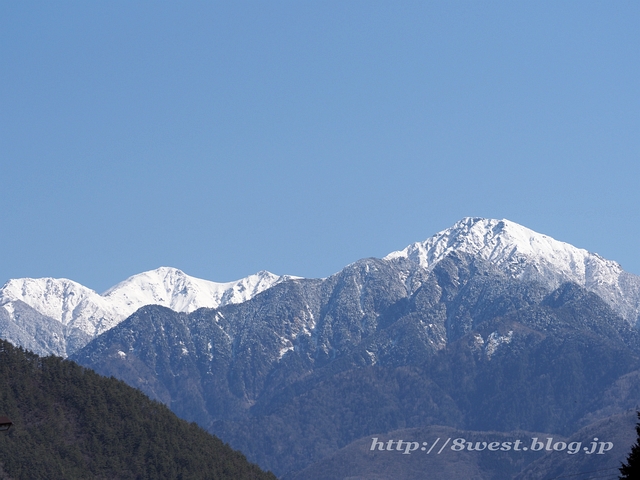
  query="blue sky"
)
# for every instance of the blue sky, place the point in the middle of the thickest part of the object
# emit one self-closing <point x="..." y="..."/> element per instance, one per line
<point x="223" y="138"/>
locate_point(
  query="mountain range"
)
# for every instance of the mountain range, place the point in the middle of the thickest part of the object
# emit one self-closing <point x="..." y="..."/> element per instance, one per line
<point x="484" y="327"/>
<point x="58" y="316"/>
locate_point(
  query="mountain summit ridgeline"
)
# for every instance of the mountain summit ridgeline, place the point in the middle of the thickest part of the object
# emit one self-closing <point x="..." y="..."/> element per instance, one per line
<point x="529" y="256"/>
<point x="59" y="316"/>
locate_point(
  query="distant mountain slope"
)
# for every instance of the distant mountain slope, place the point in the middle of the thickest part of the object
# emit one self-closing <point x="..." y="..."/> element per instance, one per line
<point x="83" y="313"/>
<point x="618" y="429"/>
<point x="358" y="461"/>
<point x="70" y="423"/>
<point x="308" y="366"/>
<point x="485" y="326"/>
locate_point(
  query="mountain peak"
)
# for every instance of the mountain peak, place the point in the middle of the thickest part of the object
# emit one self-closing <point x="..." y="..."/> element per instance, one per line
<point x="525" y="255"/>
<point x="52" y="297"/>
<point x="513" y="248"/>
<point x="172" y="288"/>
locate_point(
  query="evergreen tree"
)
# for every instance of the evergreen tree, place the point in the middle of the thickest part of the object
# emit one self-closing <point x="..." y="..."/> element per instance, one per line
<point x="631" y="469"/>
<point x="70" y="423"/>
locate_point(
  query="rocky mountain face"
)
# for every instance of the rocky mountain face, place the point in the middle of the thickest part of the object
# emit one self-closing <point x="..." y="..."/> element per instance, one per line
<point x="442" y="333"/>
<point x="486" y="326"/>
<point x="58" y="316"/>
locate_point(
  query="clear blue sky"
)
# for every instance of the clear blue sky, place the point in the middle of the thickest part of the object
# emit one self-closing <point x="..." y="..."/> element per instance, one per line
<point x="223" y="138"/>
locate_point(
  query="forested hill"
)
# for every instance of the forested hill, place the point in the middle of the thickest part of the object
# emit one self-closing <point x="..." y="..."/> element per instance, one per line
<point x="69" y="422"/>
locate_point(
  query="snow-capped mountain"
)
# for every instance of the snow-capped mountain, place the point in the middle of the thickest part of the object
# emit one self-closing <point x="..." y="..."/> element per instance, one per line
<point x="486" y="325"/>
<point x="526" y="255"/>
<point x="174" y="289"/>
<point x="79" y="314"/>
<point x="464" y="328"/>
<point x="81" y="309"/>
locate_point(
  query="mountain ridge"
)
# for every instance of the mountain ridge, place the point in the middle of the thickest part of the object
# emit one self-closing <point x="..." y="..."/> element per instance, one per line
<point x="81" y="309"/>
<point x="516" y="250"/>
<point x="482" y="338"/>
<point x="471" y="349"/>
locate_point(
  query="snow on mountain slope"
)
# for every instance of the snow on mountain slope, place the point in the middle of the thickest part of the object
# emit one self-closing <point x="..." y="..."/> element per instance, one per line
<point x="53" y="297"/>
<point x="174" y="289"/>
<point x="77" y="306"/>
<point x="515" y="250"/>
<point x="527" y="255"/>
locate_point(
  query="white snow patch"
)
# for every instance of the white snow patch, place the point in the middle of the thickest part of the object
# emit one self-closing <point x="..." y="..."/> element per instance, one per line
<point x="9" y="308"/>
<point x="288" y="346"/>
<point x="372" y="357"/>
<point x="284" y="350"/>
<point x="494" y="340"/>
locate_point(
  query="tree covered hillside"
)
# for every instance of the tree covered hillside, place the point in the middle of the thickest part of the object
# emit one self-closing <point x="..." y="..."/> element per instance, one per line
<point x="69" y="422"/>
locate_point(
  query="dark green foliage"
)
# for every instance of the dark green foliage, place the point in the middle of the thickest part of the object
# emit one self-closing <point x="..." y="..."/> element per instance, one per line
<point x="69" y="422"/>
<point x="631" y="469"/>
